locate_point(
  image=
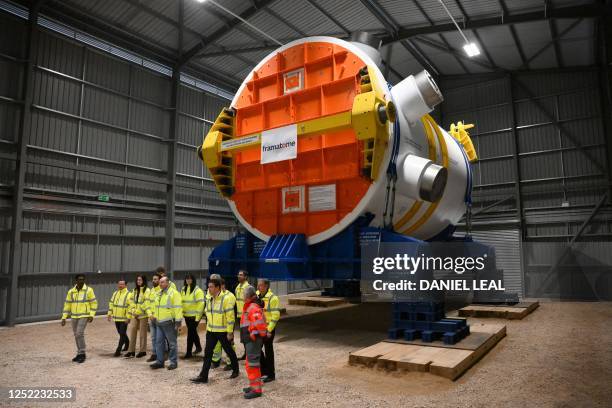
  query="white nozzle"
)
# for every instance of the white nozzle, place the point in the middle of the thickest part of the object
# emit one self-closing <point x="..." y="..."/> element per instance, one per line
<point x="416" y="96"/>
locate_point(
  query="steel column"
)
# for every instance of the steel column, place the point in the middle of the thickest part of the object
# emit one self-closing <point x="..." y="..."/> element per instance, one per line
<point x="172" y="144"/>
<point x="25" y="124"/>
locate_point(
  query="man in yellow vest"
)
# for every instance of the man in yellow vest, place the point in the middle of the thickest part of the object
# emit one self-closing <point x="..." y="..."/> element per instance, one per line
<point x="117" y="312"/>
<point x="153" y="293"/>
<point x="243" y="283"/>
<point x="220" y="321"/>
<point x="80" y="306"/>
<point x="272" y="314"/>
<point x="167" y="315"/>
<point x="232" y="306"/>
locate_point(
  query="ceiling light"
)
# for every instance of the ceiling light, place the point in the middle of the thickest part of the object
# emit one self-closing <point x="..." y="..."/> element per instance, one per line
<point x="200" y="1"/>
<point x="471" y="49"/>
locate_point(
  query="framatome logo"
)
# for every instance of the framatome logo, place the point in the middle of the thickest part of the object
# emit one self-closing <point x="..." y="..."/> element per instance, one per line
<point x="278" y="146"/>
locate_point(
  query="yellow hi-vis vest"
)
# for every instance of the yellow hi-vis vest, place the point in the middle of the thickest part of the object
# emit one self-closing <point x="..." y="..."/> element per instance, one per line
<point x="240" y="297"/>
<point x="80" y="303"/>
<point x="168" y="306"/>
<point x="172" y="285"/>
<point x="193" y="302"/>
<point x="153" y="293"/>
<point x="271" y="308"/>
<point x="118" y="305"/>
<point x="220" y="313"/>
<point x="139" y="309"/>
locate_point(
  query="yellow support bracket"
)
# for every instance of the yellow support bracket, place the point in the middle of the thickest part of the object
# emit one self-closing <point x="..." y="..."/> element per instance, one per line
<point x="219" y="163"/>
<point x="459" y="132"/>
<point x="369" y="118"/>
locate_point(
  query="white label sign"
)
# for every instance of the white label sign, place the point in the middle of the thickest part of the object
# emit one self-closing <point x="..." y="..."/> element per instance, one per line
<point x="322" y="198"/>
<point x="239" y="142"/>
<point x="279" y="144"/>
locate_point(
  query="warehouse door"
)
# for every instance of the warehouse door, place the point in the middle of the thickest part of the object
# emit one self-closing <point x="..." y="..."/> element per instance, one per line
<point x="507" y="246"/>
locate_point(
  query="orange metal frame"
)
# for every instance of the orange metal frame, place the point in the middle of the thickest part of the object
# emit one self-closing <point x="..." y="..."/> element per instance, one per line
<point x="329" y="79"/>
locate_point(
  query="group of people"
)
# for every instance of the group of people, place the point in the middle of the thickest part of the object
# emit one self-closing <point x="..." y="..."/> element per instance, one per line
<point x="160" y="310"/>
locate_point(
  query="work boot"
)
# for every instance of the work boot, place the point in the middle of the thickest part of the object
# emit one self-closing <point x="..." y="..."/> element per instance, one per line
<point x="81" y="357"/>
<point x="129" y="355"/>
<point x="186" y="356"/>
<point x="199" y="380"/>
<point x="156" y="365"/>
<point x="141" y="354"/>
<point x="247" y="389"/>
<point x="252" y="394"/>
<point x="197" y="351"/>
<point x="152" y="358"/>
<point x="215" y="364"/>
<point x="172" y="366"/>
<point x="76" y="358"/>
<point x="269" y="378"/>
<point x="117" y="353"/>
<point x="235" y="374"/>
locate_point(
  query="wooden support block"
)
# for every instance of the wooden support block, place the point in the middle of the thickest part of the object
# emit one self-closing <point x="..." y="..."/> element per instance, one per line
<point x="369" y="355"/>
<point x="517" y="311"/>
<point x="317" y="301"/>
<point x="449" y="361"/>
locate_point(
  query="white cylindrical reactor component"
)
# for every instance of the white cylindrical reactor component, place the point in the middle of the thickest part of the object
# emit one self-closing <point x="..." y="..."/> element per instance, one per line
<point x="421" y="179"/>
<point x="310" y="193"/>
<point x="416" y="96"/>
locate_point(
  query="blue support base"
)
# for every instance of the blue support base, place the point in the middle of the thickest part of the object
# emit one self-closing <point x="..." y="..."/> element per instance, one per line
<point x="288" y="257"/>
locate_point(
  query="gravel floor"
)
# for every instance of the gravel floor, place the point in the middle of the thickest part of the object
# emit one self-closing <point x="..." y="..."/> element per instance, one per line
<point x="561" y="355"/>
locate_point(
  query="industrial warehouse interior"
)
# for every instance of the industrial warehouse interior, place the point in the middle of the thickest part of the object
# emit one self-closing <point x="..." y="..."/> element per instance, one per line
<point x="306" y="202"/>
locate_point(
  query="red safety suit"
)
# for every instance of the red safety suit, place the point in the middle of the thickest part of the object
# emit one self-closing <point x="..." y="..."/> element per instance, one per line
<point x="253" y="327"/>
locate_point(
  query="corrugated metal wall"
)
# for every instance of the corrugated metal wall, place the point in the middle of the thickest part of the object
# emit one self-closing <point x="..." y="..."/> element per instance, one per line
<point x="542" y="153"/>
<point x="100" y="126"/>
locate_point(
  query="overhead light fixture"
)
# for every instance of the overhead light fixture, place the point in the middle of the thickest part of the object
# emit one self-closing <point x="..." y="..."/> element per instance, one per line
<point x="200" y="1"/>
<point x="470" y="48"/>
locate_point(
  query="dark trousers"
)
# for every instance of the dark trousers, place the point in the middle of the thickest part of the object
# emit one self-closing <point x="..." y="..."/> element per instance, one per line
<point x="267" y="356"/>
<point x="124" y="340"/>
<point x="192" y="334"/>
<point x="211" y="340"/>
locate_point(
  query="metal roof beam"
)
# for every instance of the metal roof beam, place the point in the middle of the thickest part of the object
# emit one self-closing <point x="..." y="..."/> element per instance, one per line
<point x="418" y="55"/>
<point x="584" y="11"/>
<point x="248" y="13"/>
<point x="431" y="23"/>
<point x="285" y="22"/>
<point x="381" y="15"/>
<point x="548" y="45"/>
<point x="552" y="26"/>
<point x="331" y="18"/>
<point x="517" y="42"/>
<point x="392" y="28"/>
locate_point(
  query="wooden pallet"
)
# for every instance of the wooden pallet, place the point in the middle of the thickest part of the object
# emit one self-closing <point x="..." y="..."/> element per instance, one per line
<point x="449" y="361"/>
<point x="317" y="301"/>
<point x="518" y="311"/>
